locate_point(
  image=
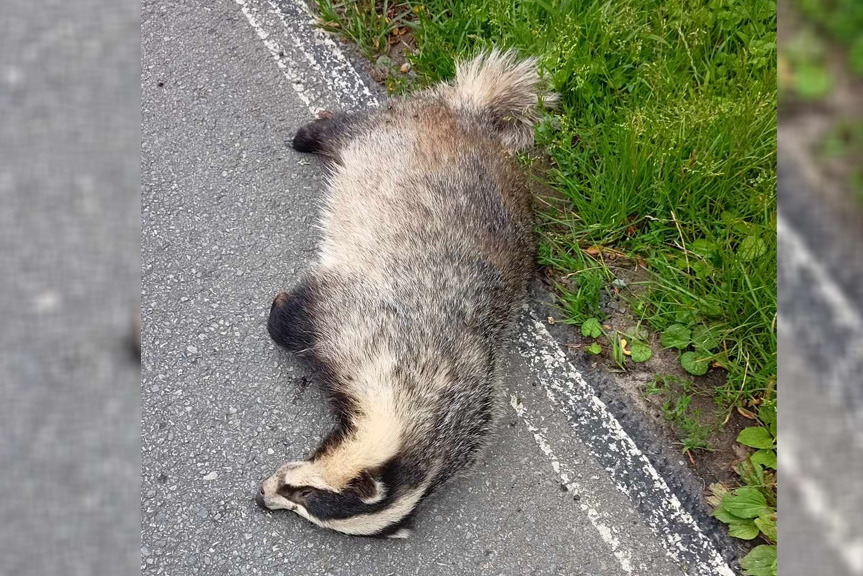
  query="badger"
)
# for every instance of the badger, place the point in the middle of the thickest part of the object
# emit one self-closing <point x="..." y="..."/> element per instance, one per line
<point x="428" y="246"/>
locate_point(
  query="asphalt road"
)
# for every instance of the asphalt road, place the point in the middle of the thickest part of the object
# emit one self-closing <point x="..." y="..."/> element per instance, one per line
<point x="228" y="220"/>
<point x="69" y="283"/>
<point x="821" y="370"/>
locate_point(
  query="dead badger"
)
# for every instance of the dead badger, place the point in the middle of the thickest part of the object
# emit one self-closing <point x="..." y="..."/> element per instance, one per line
<point x="427" y="250"/>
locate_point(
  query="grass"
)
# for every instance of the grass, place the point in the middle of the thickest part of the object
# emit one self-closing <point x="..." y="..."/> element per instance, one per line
<point x="369" y="25"/>
<point x="676" y="394"/>
<point x="661" y="154"/>
<point x="840" y="21"/>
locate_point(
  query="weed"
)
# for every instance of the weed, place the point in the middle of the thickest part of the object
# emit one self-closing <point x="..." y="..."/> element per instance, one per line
<point x="750" y="510"/>
<point x="368" y="23"/>
<point x="687" y="422"/>
<point x="623" y="344"/>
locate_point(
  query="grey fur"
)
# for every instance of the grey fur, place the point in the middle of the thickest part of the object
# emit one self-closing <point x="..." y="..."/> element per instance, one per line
<point x="428" y="247"/>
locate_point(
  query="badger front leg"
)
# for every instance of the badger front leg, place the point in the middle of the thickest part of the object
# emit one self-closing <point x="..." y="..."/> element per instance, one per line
<point x="290" y="323"/>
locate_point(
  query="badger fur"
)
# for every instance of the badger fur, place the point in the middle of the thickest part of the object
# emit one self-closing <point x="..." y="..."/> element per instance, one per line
<point x="428" y="247"/>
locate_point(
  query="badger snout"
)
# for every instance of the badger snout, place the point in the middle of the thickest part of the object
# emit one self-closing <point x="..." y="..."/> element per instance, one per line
<point x="259" y="498"/>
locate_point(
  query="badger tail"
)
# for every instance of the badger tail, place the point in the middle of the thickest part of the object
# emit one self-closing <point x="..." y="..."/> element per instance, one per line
<point x="506" y="88"/>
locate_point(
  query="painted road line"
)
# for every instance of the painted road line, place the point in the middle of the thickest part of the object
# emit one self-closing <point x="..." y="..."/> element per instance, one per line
<point x="799" y="257"/>
<point x="818" y="504"/>
<point x="630" y="470"/>
<point x="824" y="320"/>
<point x="287" y="33"/>
<point x="279" y="26"/>
<point x="621" y="552"/>
<point x="817" y="312"/>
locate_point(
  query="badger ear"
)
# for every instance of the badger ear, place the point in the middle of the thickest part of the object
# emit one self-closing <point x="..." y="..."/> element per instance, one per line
<point x="370" y="489"/>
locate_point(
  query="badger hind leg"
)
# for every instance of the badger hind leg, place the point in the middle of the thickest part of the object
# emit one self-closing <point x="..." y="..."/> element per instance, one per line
<point x="326" y="135"/>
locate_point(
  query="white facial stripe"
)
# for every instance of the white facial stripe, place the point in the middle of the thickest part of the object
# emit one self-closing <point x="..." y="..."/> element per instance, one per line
<point x="377" y="429"/>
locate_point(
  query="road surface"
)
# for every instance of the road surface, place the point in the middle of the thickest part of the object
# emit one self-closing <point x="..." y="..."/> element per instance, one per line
<point x="821" y="370"/>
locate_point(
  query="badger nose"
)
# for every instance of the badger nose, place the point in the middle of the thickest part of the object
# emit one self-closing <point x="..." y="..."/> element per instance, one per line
<point x="259" y="498"/>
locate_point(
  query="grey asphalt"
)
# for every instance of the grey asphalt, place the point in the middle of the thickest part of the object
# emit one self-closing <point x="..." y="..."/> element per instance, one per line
<point x="821" y="370"/>
<point x="228" y="220"/>
<point x="69" y="283"/>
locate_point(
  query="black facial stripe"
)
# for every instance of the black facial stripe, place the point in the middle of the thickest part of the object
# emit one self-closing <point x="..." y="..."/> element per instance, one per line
<point x="397" y="476"/>
<point x="289" y="491"/>
<point x="338" y="506"/>
<point x="328" y="505"/>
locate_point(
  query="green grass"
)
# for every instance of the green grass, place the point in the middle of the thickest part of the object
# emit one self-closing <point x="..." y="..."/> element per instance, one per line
<point x="676" y="394"/>
<point x="662" y="151"/>
<point x="368" y="24"/>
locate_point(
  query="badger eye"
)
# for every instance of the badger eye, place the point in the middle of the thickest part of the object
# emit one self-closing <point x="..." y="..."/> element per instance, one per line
<point x="304" y="492"/>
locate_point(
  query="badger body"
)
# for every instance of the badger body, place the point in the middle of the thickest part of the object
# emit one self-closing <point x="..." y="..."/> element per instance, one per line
<point x="427" y="250"/>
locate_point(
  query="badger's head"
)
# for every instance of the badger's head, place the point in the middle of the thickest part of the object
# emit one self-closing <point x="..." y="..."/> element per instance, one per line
<point x="366" y="477"/>
<point x="371" y="503"/>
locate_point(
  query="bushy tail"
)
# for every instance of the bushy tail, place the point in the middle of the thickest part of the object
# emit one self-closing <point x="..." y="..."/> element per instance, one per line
<point x="507" y="88"/>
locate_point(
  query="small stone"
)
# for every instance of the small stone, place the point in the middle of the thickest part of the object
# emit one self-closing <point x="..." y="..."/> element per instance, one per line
<point x="211" y="476"/>
<point x="191" y="349"/>
<point x="406" y="67"/>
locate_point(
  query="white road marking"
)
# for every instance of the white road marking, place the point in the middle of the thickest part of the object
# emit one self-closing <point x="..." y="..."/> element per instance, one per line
<point x="621" y="553"/>
<point x="252" y="14"/>
<point x="816" y="499"/>
<point x="566" y="388"/>
<point x="843" y="371"/>
<point x="286" y="42"/>
<point x="818" y="503"/>
<point x="800" y="256"/>
<point x="547" y="354"/>
<point x="341" y="75"/>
